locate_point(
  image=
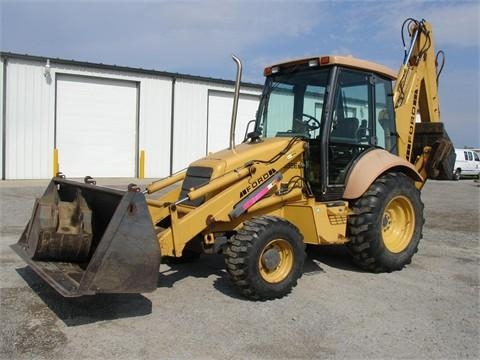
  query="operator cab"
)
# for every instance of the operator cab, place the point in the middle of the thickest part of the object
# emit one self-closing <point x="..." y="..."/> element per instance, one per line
<point x="340" y="105"/>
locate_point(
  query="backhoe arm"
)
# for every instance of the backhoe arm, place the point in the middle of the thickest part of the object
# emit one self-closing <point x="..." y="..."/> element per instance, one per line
<point x="425" y="144"/>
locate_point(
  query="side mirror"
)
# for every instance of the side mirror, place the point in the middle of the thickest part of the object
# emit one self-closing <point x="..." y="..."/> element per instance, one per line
<point x="247" y="133"/>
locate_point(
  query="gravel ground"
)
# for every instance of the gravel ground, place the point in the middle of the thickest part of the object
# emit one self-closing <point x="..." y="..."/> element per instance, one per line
<point x="429" y="310"/>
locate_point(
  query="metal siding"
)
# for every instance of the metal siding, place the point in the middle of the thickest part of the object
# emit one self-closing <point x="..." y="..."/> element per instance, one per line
<point x="139" y="72"/>
<point x="29" y="121"/>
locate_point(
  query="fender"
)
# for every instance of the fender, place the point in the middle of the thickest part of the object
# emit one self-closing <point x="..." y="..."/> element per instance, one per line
<point x="370" y="166"/>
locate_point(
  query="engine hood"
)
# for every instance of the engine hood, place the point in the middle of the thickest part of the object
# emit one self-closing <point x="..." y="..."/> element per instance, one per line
<point x="226" y="160"/>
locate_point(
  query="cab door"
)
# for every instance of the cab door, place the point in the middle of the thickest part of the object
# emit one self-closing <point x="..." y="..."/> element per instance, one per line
<point x="362" y="118"/>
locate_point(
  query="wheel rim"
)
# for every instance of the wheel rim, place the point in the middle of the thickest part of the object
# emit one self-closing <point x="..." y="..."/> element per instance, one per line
<point x="276" y="261"/>
<point x="398" y="224"/>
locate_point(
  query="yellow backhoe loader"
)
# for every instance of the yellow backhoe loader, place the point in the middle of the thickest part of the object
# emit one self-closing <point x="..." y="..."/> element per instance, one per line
<point x="337" y="155"/>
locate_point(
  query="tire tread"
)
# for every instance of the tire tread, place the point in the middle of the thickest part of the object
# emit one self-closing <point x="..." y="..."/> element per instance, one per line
<point x="239" y="252"/>
<point x="363" y="229"/>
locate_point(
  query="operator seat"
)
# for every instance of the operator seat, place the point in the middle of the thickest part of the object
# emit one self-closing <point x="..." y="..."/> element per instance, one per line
<point x="346" y="128"/>
<point x="362" y="131"/>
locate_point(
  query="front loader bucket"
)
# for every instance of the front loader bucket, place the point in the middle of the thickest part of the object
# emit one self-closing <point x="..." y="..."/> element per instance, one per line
<point x="84" y="239"/>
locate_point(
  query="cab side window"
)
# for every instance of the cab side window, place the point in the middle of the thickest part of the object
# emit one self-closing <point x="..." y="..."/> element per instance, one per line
<point x="351" y="114"/>
<point x="385" y="136"/>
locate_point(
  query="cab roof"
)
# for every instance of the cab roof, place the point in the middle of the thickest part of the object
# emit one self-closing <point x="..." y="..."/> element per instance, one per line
<point x="329" y="60"/>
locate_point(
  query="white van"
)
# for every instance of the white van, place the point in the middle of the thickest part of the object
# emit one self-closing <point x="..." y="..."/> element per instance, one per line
<point x="466" y="164"/>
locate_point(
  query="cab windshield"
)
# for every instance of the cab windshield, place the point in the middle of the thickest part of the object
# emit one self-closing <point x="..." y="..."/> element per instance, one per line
<point x="292" y="104"/>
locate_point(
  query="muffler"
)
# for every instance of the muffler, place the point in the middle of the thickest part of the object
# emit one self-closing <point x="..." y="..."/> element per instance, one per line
<point x="84" y="239"/>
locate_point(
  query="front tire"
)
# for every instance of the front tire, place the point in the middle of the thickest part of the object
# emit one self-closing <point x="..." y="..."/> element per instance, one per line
<point x="265" y="258"/>
<point x="386" y="225"/>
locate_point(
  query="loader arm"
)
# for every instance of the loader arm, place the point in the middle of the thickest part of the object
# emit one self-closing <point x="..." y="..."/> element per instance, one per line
<point x="424" y="144"/>
<point x="224" y="206"/>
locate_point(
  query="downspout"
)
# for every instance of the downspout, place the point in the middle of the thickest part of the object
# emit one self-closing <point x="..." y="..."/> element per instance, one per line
<point x="172" y="123"/>
<point x="235" y="102"/>
<point x="4" y="117"/>
<point x="139" y="166"/>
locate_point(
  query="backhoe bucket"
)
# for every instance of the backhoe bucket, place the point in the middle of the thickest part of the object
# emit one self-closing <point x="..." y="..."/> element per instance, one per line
<point x="84" y="239"/>
<point x="442" y="154"/>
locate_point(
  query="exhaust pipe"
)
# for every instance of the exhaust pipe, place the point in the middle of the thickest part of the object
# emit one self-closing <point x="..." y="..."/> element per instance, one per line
<point x="235" y="102"/>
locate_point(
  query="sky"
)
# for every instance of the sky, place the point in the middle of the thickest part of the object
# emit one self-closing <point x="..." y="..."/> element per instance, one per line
<point x="198" y="38"/>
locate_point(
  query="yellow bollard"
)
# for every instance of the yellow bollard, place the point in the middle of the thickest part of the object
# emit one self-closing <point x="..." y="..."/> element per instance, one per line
<point x="141" y="170"/>
<point x="56" y="167"/>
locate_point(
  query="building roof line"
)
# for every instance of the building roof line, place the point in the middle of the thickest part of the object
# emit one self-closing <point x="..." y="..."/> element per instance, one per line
<point x="11" y="55"/>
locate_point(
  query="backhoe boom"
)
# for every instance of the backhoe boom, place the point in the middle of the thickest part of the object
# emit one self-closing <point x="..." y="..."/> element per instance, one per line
<point x="422" y="139"/>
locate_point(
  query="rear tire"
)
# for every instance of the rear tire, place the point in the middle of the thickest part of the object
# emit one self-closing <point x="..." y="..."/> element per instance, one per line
<point x="386" y="225"/>
<point x="265" y="258"/>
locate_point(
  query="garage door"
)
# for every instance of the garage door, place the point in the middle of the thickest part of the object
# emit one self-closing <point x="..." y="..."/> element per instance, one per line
<point x="96" y="123"/>
<point x="220" y="115"/>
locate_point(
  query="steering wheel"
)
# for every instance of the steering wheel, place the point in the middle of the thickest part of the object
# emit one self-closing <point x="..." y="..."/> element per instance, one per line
<point x="311" y="123"/>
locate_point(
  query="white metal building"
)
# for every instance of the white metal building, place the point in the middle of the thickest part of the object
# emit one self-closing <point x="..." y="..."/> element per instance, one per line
<point x="110" y="121"/>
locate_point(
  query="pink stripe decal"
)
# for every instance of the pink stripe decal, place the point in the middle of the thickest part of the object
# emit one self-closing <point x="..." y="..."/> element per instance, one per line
<point x="260" y="195"/>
